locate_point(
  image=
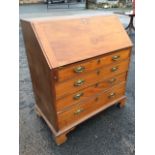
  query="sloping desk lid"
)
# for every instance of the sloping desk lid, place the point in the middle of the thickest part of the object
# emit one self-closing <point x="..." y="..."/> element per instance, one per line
<point x="71" y="39"/>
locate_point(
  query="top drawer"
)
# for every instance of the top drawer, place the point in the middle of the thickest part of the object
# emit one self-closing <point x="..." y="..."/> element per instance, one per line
<point x="70" y="71"/>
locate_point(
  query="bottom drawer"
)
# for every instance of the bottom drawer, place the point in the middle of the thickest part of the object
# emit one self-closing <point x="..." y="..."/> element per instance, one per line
<point x="77" y="112"/>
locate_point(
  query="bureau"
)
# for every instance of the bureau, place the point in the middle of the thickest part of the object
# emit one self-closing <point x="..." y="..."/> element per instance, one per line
<point x="78" y="66"/>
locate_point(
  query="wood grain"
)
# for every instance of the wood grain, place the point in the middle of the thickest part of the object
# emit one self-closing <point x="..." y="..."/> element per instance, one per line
<point x="92" y="90"/>
<point x="69" y="40"/>
<point x="69" y="116"/>
<point x="78" y="68"/>
<point x="41" y="75"/>
<point x="90" y="78"/>
<point x="67" y="72"/>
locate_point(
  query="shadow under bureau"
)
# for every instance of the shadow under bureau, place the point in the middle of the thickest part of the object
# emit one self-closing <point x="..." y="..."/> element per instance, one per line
<point x="78" y="67"/>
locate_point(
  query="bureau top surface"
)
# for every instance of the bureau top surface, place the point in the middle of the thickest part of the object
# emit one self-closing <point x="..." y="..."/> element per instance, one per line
<point x="71" y="39"/>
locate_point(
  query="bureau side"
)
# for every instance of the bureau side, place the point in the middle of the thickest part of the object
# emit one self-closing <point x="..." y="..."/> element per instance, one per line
<point x="41" y="75"/>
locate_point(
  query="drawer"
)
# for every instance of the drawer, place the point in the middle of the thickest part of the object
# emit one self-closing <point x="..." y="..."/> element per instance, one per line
<point x="77" y="112"/>
<point x="83" y="81"/>
<point x="89" y="91"/>
<point x="70" y="71"/>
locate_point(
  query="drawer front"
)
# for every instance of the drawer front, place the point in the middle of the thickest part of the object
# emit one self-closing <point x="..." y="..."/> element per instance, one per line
<point x="77" y="112"/>
<point x="70" y="71"/>
<point x="89" y="91"/>
<point x="80" y="82"/>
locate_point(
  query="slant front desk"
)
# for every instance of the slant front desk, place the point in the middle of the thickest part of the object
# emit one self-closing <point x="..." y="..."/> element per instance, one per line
<point x="78" y="66"/>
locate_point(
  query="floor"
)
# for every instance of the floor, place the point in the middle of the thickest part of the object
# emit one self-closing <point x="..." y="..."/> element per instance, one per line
<point x="109" y="133"/>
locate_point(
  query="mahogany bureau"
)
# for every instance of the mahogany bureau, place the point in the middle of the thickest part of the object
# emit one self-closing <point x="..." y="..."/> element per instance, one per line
<point x="78" y="67"/>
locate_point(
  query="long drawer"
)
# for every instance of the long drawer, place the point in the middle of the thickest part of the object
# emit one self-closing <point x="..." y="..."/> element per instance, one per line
<point x="77" y="112"/>
<point x="80" y="68"/>
<point x="80" y="82"/>
<point x="85" y="93"/>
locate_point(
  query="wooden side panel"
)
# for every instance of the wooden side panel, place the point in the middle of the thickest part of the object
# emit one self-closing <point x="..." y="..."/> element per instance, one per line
<point x="41" y="74"/>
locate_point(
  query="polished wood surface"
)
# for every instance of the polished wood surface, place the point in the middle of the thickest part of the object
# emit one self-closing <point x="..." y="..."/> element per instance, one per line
<point x="100" y="74"/>
<point x="41" y="75"/>
<point x="77" y="67"/>
<point x="84" y="94"/>
<point x="78" y="111"/>
<point x="70" y="71"/>
<point x="87" y="37"/>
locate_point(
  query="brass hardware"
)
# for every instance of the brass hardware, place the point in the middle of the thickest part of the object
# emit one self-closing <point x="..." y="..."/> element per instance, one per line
<point x="79" y="82"/>
<point x="78" y="111"/>
<point x="115" y="57"/>
<point x="79" y="69"/>
<point x="96" y="85"/>
<point x="77" y="96"/>
<point x="112" y="80"/>
<point x="98" y="61"/>
<point x="98" y="72"/>
<point x="114" y="69"/>
<point x="97" y="98"/>
<point x="111" y="95"/>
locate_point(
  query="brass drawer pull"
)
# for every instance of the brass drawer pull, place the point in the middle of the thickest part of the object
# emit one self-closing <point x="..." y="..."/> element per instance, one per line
<point x="112" y="80"/>
<point x="114" y="69"/>
<point x="96" y="99"/>
<point x="111" y="95"/>
<point x="98" y="61"/>
<point x="79" y="69"/>
<point x="115" y="57"/>
<point x="79" y="82"/>
<point x="97" y="84"/>
<point x="98" y="72"/>
<point x="77" y="96"/>
<point x="78" y="111"/>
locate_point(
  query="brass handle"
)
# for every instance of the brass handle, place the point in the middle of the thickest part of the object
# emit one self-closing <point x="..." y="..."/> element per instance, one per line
<point x="114" y="69"/>
<point x="98" y="61"/>
<point x="112" y="80"/>
<point x="77" y="96"/>
<point x="97" y="84"/>
<point x="79" y="69"/>
<point x="78" y="111"/>
<point x="79" y="82"/>
<point x="96" y="99"/>
<point x="98" y="72"/>
<point x="111" y="95"/>
<point x="115" y="57"/>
